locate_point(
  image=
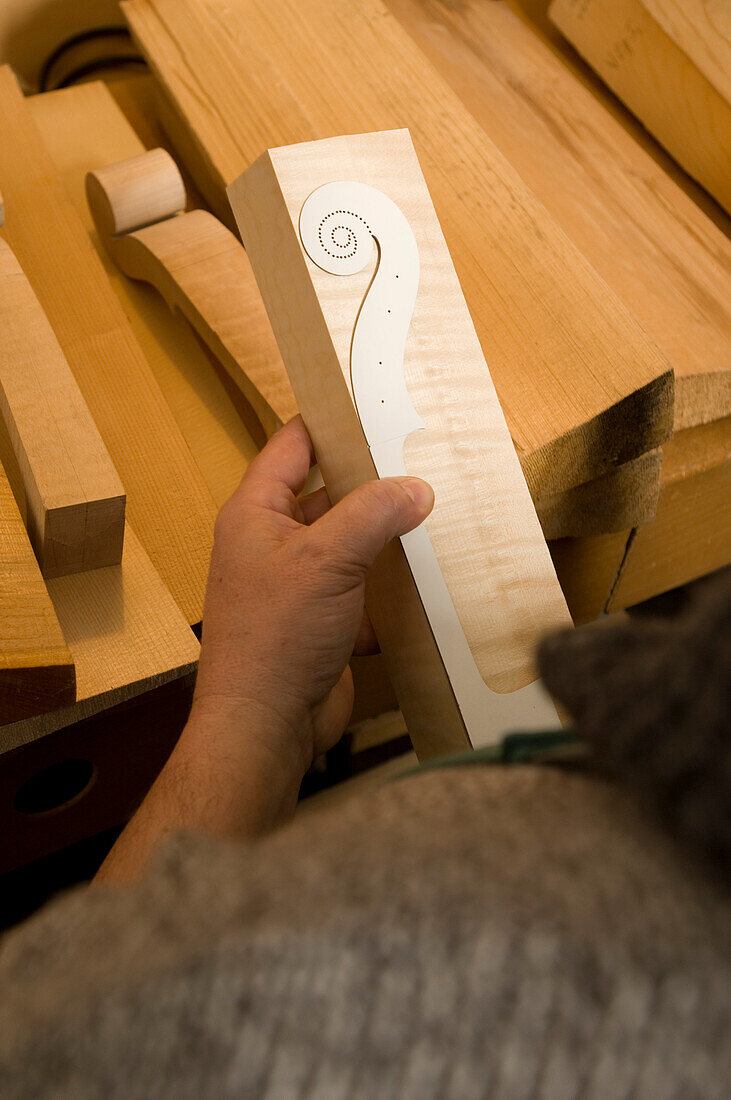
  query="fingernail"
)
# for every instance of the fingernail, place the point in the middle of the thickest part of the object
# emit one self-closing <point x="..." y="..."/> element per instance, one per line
<point x="420" y="492"/>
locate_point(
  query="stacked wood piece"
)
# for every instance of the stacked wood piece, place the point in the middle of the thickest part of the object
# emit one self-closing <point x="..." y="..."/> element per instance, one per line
<point x="582" y="387"/>
<point x="657" y="80"/>
<point x="667" y="261"/>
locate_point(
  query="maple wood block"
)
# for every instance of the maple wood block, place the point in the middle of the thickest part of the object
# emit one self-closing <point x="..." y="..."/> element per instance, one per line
<point x="75" y="499"/>
<point x="198" y="266"/>
<point x="168" y="503"/>
<point x="484" y="529"/>
<point x="652" y="243"/>
<point x="562" y="350"/>
<point x="657" y="81"/>
<point x="36" y="667"/>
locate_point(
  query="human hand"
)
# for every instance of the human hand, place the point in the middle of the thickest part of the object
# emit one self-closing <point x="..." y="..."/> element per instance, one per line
<point x="284" y="611"/>
<point x="284" y="607"/>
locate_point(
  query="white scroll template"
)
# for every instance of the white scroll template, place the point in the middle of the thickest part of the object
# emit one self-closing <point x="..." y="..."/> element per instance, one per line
<point x="338" y="225"/>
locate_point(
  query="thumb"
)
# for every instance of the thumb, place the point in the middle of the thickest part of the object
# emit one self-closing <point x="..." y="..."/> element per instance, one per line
<point x="356" y="529"/>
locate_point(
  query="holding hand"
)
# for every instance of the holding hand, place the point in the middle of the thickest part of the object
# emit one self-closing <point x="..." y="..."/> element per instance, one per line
<point x="284" y="612"/>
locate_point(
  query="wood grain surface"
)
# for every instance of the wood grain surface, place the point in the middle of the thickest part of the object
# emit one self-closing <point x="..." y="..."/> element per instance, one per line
<point x="702" y="30"/>
<point x="662" y="255"/>
<point x="561" y="348"/>
<point x="657" y="81"/>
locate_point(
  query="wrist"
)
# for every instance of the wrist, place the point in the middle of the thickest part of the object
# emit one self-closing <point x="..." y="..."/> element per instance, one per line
<point x="234" y="779"/>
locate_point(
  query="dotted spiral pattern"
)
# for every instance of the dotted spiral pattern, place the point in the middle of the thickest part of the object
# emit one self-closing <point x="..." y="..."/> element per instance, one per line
<point x="344" y="251"/>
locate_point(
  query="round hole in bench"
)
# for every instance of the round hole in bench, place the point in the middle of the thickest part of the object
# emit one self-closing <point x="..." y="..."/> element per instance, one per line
<point x="55" y="787"/>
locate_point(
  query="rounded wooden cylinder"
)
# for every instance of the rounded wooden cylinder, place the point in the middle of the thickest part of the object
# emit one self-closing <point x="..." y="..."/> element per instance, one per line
<point x="135" y="192"/>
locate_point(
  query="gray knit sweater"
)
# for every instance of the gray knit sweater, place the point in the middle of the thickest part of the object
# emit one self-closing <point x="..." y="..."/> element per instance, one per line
<point x="507" y="932"/>
<point x="485" y="932"/>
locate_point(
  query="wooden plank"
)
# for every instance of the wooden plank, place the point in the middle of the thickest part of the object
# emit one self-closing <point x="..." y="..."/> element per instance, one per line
<point x="126" y="634"/>
<point x="691" y="533"/>
<point x="702" y="30"/>
<point x="167" y="500"/>
<point x="36" y="667"/>
<point x="657" y="81"/>
<point x="667" y="261"/>
<point x="74" y="496"/>
<point x="198" y="266"/>
<point x="84" y="129"/>
<point x="483" y="529"/>
<point x="562" y="350"/>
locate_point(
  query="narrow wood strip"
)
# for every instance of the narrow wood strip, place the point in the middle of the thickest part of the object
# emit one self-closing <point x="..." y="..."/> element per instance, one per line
<point x="75" y="498"/>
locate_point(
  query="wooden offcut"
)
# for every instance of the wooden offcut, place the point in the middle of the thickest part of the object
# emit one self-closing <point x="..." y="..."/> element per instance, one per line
<point x="36" y="667"/>
<point x="562" y="350"/>
<point x="198" y="266"/>
<point x="654" y="246"/>
<point x="74" y="497"/>
<point x="657" y="81"/>
<point x="484" y="529"/>
<point x="168" y="503"/>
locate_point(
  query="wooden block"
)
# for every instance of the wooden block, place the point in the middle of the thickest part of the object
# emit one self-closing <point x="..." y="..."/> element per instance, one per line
<point x="657" y="81"/>
<point x="661" y="254"/>
<point x="691" y="533"/>
<point x="36" y="667"/>
<point x="484" y="531"/>
<point x="702" y="30"/>
<point x="167" y="500"/>
<point x="563" y="352"/>
<point x="126" y="635"/>
<point x="74" y="496"/>
<point x="198" y="266"/>
<point x="84" y="129"/>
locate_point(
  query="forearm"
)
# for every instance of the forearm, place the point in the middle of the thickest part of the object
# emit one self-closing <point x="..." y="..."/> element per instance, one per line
<point x="220" y="780"/>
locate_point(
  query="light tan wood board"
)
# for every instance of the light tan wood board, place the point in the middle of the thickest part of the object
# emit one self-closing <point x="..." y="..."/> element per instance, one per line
<point x="663" y="256"/>
<point x="562" y="350"/>
<point x="126" y="634"/>
<point x="75" y="498"/>
<point x="199" y="267"/>
<point x="36" y="667"/>
<point x="691" y="533"/>
<point x="484" y="528"/>
<point x="657" y="81"/>
<point x="83" y="129"/>
<point x="168" y="503"/>
<point x="702" y="30"/>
